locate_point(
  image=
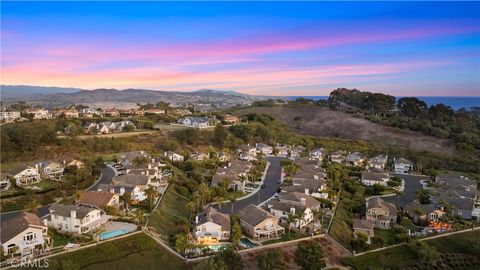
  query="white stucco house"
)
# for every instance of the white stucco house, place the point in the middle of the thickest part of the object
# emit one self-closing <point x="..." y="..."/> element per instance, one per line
<point x="76" y="219"/>
<point x="403" y="165"/>
<point x="212" y="226"/>
<point x="24" y="234"/>
<point x="25" y="175"/>
<point x="174" y="157"/>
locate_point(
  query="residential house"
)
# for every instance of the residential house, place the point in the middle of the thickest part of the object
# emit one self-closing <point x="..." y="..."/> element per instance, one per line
<point x="9" y="116"/>
<point x="76" y="218"/>
<point x="74" y="162"/>
<point x="302" y="214"/>
<point x="355" y="159"/>
<point x="419" y="212"/>
<point x="194" y="121"/>
<point x="318" y="153"/>
<point x="111" y="112"/>
<point x="67" y="113"/>
<point x="379" y="162"/>
<point x="402" y="165"/>
<point x="460" y="192"/>
<point x="231" y="119"/>
<point x="264" y="149"/>
<point x="223" y="157"/>
<point x="4" y="183"/>
<point x="283" y="150"/>
<point x="24" y="234"/>
<point x="370" y="178"/>
<point x="89" y="112"/>
<point x="25" y="175"/>
<point x="174" y="157"/>
<point x="298" y="151"/>
<point x="235" y="175"/>
<point x="155" y="111"/>
<point x="135" y="184"/>
<point x="365" y="227"/>
<point x="212" y="226"/>
<point x="200" y="156"/>
<point x="381" y="213"/>
<point x="259" y="224"/>
<point x="317" y="189"/>
<point x="337" y="156"/>
<point x="53" y="170"/>
<point x="40" y="113"/>
<point x="99" y="199"/>
<point x="300" y="199"/>
<point x="247" y="152"/>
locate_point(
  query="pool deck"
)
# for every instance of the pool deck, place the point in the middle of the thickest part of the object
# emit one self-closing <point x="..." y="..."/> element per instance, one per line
<point x="115" y="225"/>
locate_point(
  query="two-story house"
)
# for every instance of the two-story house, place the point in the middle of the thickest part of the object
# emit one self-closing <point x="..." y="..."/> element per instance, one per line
<point x="264" y="149"/>
<point x="174" y="157"/>
<point x="24" y="234"/>
<point x="381" y="213"/>
<point x="53" y="170"/>
<point x="212" y="226"/>
<point x="25" y="175"/>
<point x="259" y="224"/>
<point x="403" y="165"/>
<point x="303" y="215"/>
<point x="370" y="178"/>
<point x="76" y="218"/>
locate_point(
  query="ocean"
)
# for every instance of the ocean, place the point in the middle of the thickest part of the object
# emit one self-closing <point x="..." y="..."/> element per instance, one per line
<point x="454" y="102"/>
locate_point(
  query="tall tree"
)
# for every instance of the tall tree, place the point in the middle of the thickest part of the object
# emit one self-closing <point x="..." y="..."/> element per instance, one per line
<point x="412" y="107"/>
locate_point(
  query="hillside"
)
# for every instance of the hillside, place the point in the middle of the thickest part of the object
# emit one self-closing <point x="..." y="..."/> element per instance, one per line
<point x="324" y="122"/>
<point x="53" y="96"/>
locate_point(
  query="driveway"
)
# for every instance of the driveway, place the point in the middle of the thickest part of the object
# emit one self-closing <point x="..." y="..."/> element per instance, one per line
<point x="271" y="186"/>
<point x="106" y="178"/>
<point x="412" y="184"/>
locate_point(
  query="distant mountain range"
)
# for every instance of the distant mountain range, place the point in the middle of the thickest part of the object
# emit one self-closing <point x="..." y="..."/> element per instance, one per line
<point x="57" y="96"/>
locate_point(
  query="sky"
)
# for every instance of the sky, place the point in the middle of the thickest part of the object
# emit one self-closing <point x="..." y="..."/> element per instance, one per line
<point x="261" y="48"/>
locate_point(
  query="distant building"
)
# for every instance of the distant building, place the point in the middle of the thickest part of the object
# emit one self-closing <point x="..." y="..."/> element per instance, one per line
<point x="174" y="157"/>
<point x="40" y="113"/>
<point x="264" y="148"/>
<point x="231" y="119"/>
<point x="356" y="159"/>
<point x="197" y="122"/>
<point x="337" y="156"/>
<point x="200" y="157"/>
<point x="9" y="116"/>
<point x="298" y="151"/>
<point x="53" y="170"/>
<point x="68" y="113"/>
<point x="402" y="165"/>
<point x="155" y="111"/>
<point x="318" y="153"/>
<point x="234" y="175"/>
<point x="111" y="112"/>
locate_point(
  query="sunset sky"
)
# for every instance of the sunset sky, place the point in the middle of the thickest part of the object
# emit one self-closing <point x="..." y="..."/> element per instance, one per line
<point x="307" y="48"/>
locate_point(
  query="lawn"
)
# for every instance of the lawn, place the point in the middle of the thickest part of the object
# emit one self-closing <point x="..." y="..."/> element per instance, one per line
<point x="388" y="236"/>
<point x="401" y="256"/>
<point x="171" y="209"/>
<point x="341" y="228"/>
<point x="134" y="252"/>
<point x="293" y="236"/>
<point x="59" y="239"/>
<point x="46" y="184"/>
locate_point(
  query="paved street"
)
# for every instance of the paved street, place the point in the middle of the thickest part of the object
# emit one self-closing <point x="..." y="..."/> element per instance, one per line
<point x="106" y="178"/>
<point x="412" y="184"/>
<point x="271" y="185"/>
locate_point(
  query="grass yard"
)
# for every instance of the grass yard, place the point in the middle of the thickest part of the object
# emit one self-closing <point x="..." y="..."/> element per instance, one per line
<point x="388" y="236"/>
<point x="293" y="236"/>
<point x="134" y="252"/>
<point x="456" y="251"/>
<point x="59" y="239"/>
<point x="46" y="184"/>
<point x="171" y="209"/>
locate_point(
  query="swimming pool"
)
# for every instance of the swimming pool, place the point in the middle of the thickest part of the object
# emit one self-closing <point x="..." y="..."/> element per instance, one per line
<point x="115" y="233"/>
<point x="246" y="243"/>
<point x="218" y="247"/>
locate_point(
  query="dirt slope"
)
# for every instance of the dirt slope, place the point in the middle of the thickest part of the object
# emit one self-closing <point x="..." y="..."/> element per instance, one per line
<point x="324" y="122"/>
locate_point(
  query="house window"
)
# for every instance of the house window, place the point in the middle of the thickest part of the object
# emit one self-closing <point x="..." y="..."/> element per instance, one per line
<point x="64" y="218"/>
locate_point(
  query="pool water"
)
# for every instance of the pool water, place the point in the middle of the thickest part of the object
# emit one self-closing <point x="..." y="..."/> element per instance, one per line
<point x="246" y="243"/>
<point x="108" y="235"/>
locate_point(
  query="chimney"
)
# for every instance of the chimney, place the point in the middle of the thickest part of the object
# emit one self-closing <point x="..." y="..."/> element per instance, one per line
<point x="73" y="214"/>
<point x="150" y="165"/>
<point x="196" y="219"/>
<point x="153" y="160"/>
<point x="122" y="191"/>
<point x="302" y="200"/>
<point x="307" y="192"/>
<point x="112" y="190"/>
<point x="292" y="210"/>
<point x="45" y="222"/>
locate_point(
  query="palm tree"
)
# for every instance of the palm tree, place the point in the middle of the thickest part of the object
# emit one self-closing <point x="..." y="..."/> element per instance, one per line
<point x="151" y="195"/>
<point x="290" y="218"/>
<point x="127" y="200"/>
<point x="139" y="215"/>
<point x="232" y="200"/>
